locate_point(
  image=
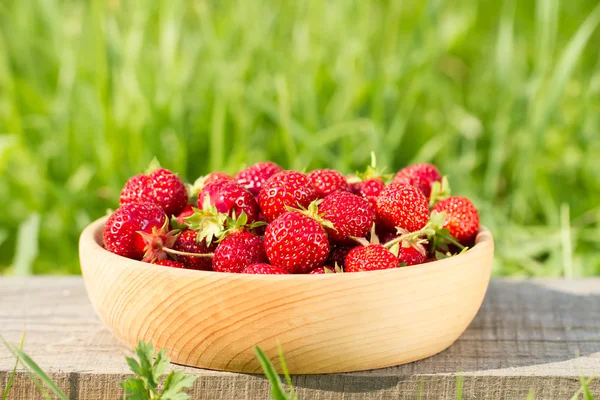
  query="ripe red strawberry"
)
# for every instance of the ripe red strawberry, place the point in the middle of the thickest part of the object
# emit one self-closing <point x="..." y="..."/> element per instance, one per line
<point x="420" y="176"/>
<point x="237" y="251"/>
<point x="411" y="256"/>
<point x="296" y="242"/>
<point x="206" y="180"/>
<point x="187" y="242"/>
<point x="287" y="188"/>
<point x="215" y="177"/>
<point x="350" y="215"/>
<point x="161" y="187"/>
<point x="402" y="206"/>
<point x="326" y="181"/>
<point x="253" y="177"/>
<point x="228" y="197"/>
<point x="461" y="220"/>
<point x="121" y="229"/>
<point x="170" y="263"/>
<point x="264" y="269"/>
<point x="369" y="189"/>
<point x="337" y="255"/>
<point x="369" y="258"/>
<point x="321" y="270"/>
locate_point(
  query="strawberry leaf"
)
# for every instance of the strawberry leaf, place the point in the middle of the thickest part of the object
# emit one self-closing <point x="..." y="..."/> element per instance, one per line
<point x="439" y="191"/>
<point x="153" y="166"/>
<point x="395" y="249"/>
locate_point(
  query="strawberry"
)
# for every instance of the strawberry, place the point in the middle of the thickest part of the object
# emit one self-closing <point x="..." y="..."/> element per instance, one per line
<point x="350" y="215"/>
<point x="285" y="189"/>
<point x="411" y="256"/>
<point x="161" y="187"/>
<point x="187" y="242"/>
<point x="420" y="176"/>
<point x="369" y="258"/>
<point x="264" y="269"/>
<point x="237" y="251"/>
<point x="402" y="206"/>
<point x="337" y="255"/>
<point x="253" y="177"/>
<point x="215" y="177"/>
<point x="461" y="218"/>
<point x="170" y="263"/>
<point x="326" y="181"/>
<point x="229" y="198"/>
<point x="369" y="189"/>
<point x="325" y="269"/>
<point x="121" y="229"/>
<point x="296" y="242"/>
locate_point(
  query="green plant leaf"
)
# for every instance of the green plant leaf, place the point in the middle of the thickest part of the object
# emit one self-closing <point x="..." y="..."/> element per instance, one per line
<point x="161" y="363"/>
<point x="176" y="382"/>
<point x="145" y="353"/>
<point x="135" y="389"/>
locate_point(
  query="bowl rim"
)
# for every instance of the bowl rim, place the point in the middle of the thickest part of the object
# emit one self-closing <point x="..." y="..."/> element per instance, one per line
<point x="92" y="236"/>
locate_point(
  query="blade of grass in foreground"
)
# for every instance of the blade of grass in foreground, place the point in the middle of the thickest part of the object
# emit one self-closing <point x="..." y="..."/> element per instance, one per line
<point x="286" y="372"/>
<point x="459" y="387"/>
<point x="31" y="376"/>
<point x="277" y="390"/>
<point x="35" y="369"/>
<point x="14" y="371"/>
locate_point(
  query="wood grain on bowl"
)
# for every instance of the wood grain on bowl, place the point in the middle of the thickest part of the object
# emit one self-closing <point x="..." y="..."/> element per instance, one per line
<point x="325" y="323"/>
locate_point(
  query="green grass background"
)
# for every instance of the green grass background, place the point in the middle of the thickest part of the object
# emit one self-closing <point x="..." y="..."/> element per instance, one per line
<point x="504" y="96"/>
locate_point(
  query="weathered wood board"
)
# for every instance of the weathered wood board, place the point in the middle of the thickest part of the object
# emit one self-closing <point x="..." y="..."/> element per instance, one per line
<point x="539" y="335"/>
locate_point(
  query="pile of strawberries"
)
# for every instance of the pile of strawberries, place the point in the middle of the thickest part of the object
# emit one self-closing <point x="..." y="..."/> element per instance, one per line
<point x="266" y="220"/>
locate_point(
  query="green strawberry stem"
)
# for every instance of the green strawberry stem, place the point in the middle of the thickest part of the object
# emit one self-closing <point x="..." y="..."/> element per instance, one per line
<point x="183" y="253"/>
<point x="426" y="230"/>
<point x="450" y="239"/>
<point x="313" y="212"/>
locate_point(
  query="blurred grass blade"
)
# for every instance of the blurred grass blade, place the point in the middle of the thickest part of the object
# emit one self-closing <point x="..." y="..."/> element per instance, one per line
<point x="587" y="395"/>
<point x="505" y="42"/>
<point x="459" y="386"/>
<point x="531" y="395"/>
<point x="277" y="390"/>
<point x="35" y="369"/>
<point x="27" y="245"/>
<point x="3" y="236"/>
<point x="546" y="24"/>
<point x="565" y="235"/>
<point x="571" y="56"/>
<point x="14" y="371"/>
<point x="583" y="389"/>
<point x="286" y="372"/>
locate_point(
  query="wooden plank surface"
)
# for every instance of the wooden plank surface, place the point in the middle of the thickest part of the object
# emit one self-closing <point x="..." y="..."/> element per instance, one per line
<point x="538" y="335"/>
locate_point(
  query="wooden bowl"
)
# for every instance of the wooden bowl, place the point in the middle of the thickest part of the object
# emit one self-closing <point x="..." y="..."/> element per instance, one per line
<point x="325" y="323"/>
